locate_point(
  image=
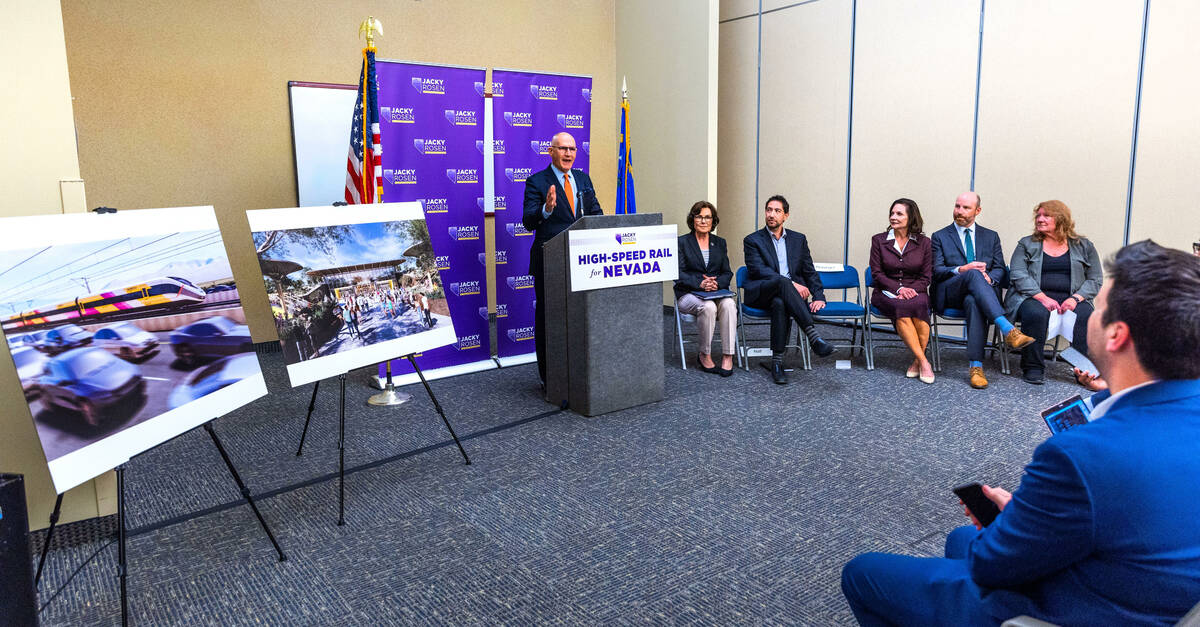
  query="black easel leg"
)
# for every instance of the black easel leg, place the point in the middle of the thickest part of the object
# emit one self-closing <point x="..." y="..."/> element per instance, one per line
<point x="49" y="536"/>
<point x="311" y="404"/>
<point x="121" y="543"/>
<point x="438" y="407"/>
<point x="244" y="490"/>
<point x="342" y="455"/>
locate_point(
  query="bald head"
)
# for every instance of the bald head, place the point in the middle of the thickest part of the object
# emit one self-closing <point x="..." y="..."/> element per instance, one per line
<point x="966" y="209"/>
<point x="562" y="151"/>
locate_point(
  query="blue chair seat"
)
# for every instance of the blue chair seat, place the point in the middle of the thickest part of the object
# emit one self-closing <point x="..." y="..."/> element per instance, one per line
<point x="755" y="313"/>
<point x="842" y="309"/>
<point x="953" y="313"/>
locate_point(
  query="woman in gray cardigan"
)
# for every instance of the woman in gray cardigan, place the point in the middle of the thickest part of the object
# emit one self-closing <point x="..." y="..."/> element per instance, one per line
<point x="1053" y="270"/>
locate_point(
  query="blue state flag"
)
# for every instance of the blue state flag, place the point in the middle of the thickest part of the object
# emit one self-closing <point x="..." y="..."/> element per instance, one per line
<point x="626" y="198"/>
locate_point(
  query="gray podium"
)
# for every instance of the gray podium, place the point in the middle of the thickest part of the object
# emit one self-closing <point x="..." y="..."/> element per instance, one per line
<point x="604" y="347"/>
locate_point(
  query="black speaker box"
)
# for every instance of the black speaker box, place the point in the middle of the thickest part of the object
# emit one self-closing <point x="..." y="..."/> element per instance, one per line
<point x="18" y="604"/>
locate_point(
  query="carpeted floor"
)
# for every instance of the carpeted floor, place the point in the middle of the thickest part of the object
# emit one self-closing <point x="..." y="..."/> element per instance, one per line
<point x="731" y="501"/>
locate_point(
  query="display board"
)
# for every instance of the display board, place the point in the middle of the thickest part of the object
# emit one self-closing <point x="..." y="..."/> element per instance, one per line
<point x="321" y="118"/>
<point x="350" y="286"/>
<point x="126" y="330"/>
<point x="528" y="109"/>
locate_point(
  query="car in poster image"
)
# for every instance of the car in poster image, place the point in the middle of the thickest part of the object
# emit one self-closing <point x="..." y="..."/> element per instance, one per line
<point x="64" y="338"/>
<point x="30" y="365"/>
<point x="212" y="377"/>
<point x="125" y="340"/>
<point x="217" y="336"/>
<point x="19" y="340"/>
<point x="89" y="381"/>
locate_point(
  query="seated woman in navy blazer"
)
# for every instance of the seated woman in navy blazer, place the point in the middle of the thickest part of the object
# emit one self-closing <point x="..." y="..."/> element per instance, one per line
<point x="901" y="269"/>
<point x="704" y="267"/>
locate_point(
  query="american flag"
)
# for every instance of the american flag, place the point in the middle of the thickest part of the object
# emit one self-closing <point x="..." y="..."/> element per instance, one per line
<point x="359" y="191"/>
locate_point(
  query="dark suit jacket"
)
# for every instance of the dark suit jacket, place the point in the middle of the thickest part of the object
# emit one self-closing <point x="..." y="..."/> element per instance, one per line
<point x="948" y="254"/>
<point x="762" y="264"/>
<point x="691" y="264"/>
<point x="537" y="186"/>
<point x="1102" y="530"/>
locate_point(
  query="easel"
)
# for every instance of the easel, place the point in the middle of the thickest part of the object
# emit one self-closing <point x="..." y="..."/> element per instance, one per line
<point x="121" y="570"/>
<point x="342" y="429"/>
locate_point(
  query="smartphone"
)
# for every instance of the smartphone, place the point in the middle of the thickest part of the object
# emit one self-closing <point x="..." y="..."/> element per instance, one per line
<point x="1069" y="413"/>
<point x="984" y="510"/>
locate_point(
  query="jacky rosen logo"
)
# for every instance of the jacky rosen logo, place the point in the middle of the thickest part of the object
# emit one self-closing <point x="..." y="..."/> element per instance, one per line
<point x="570" y="121"/>
<point x="467" y="342"/>
<point x="586" y="93"/>
<point x="435" y="205"/>
<point x="540" y="147"/>
<point x="465" y="288"/>
<point x="463" y="175"/>
<point x="400" y="177"/>
<point x="518" y="118"/>
<point x="430" y="146"/>
<point x="586" y="147"/>
<point x="544" y="92"/>
<point x="516" y="229"/>
<point x="500" y="203"/>
<point x="517" y="175"/>
<point x="429" y="85"/>
<point x="399" y="115"/>
<point x="522" y="282"/>
<point x="501" y="258"/>
<point x="463" y="233"/>
<point x="461" y="117"/>
<point x="625" y="239"/>
<point x="497" y="146"/>
<point x="442" y="261"/>
<point x="497" y="89"/>
<point x="520" y="334"/>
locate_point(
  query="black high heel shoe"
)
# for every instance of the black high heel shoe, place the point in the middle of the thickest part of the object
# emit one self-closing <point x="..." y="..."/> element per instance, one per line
<point x="714" y="370"/>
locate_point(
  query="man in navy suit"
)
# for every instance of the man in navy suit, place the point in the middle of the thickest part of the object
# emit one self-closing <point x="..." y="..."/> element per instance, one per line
<point x="780" y="277"/>
<point x="554" y="199"/>
<point x="1103" y="528"/>
<point x="968" y="272"/>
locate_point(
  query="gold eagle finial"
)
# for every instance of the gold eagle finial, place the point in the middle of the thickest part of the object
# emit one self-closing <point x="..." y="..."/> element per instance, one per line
<point x="370" y="27"/>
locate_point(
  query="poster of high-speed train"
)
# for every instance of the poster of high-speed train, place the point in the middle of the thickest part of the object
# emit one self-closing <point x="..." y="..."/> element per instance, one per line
<point x="126" y="329"/>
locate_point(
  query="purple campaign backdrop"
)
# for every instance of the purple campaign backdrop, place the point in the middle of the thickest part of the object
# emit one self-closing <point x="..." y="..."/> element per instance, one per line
<point x="431" y="126"/>
<point x="527" y="110"/>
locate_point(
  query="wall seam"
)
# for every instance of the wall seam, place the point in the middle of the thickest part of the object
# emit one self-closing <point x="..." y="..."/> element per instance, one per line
<point x="758" y="116"/>
<point x="978" y="80"/>
<point x="849" y="133"/>
<point x="1137" y="115"/>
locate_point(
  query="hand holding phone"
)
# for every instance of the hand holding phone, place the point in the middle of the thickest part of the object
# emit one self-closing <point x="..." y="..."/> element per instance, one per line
<point x="977" y="503"/>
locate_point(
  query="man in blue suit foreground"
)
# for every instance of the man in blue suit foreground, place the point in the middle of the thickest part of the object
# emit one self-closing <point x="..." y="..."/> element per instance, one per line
<point x="554" y="199"/>
<point x="968" y="272"/>
<point x="780" y="277"/>
<point x="1105" y="526"/>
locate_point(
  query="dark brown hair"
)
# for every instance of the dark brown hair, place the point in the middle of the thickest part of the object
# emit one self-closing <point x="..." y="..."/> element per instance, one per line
<point x="915" y="223"/>
<point x="695" y="211"/>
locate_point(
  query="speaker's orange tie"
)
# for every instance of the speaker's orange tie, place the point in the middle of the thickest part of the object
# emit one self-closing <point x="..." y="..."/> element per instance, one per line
<point x="570" y="193"/>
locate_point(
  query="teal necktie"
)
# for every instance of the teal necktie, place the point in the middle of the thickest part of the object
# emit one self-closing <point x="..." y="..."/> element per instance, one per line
<point x="970" y="246"/>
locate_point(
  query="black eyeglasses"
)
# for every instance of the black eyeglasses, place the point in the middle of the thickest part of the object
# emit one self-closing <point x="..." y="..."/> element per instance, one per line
<point x="565" y="148"/>
<point x="705" y="218"/>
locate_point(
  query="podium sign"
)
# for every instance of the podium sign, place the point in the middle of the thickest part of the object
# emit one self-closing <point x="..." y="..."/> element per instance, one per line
<point x="618" y="257"/>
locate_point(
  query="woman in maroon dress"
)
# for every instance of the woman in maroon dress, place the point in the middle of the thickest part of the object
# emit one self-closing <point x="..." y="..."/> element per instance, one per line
<point x="901" y="269"/>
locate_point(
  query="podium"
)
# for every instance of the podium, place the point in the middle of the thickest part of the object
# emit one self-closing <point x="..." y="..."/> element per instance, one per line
<point x="604" y="347"/>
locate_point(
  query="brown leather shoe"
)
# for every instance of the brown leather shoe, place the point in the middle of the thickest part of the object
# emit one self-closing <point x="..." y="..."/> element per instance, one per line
<point x="978" y="381"/>
<point x="1016" y="339"/>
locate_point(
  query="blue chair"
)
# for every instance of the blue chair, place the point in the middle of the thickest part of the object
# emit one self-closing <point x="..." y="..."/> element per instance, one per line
<point x="854" y="312"/>
<point x="751" y="316"/>
<point x="680" y="318"/>
<point x="957" y="318"/>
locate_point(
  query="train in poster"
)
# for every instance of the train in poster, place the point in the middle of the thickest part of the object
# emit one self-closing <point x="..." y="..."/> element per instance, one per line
<point x="154" y="294"/>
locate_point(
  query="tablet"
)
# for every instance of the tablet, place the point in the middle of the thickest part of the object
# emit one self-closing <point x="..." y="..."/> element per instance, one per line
<point x="1067" y="414"/>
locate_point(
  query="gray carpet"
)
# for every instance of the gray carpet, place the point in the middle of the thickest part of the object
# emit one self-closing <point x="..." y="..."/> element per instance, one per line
<point x="732" y="501"/>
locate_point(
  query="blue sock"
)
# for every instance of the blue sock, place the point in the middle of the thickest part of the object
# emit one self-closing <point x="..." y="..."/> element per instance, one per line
<point x="1004" y="324"/>
<point x="976" y="364"/>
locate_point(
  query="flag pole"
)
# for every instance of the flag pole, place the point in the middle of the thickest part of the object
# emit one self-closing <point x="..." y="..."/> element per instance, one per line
<point x="369" y="27"/>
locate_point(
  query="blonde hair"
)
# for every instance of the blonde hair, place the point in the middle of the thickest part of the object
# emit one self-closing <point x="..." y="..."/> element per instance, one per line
<point x="1064" y="226"/>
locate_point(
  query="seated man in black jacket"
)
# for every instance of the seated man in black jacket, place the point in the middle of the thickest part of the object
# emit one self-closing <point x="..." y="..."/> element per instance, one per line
<point x="780" y="278"/>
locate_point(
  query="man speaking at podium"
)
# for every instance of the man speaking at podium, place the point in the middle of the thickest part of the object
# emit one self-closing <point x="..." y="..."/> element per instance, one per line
<point x="554" y="198"/>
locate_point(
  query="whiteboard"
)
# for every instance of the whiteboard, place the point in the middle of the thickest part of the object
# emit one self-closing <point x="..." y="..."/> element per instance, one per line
<point x="321" y="118"/>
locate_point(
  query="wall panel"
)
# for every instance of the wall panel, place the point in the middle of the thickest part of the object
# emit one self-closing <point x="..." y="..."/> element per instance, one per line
<point x="805" y="109"/>
<point x="914" y="96"/>
<point x="737" y="91"/>
<point x="1168" y="158"/>
<point x="1056" y="113"/>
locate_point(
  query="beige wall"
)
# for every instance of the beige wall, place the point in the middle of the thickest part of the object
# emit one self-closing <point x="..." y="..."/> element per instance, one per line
<point x="667" y="51"/>
<point x="37" y="153"/>
<point x="185" y="103"/>
<point x="1055" y="116"/>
